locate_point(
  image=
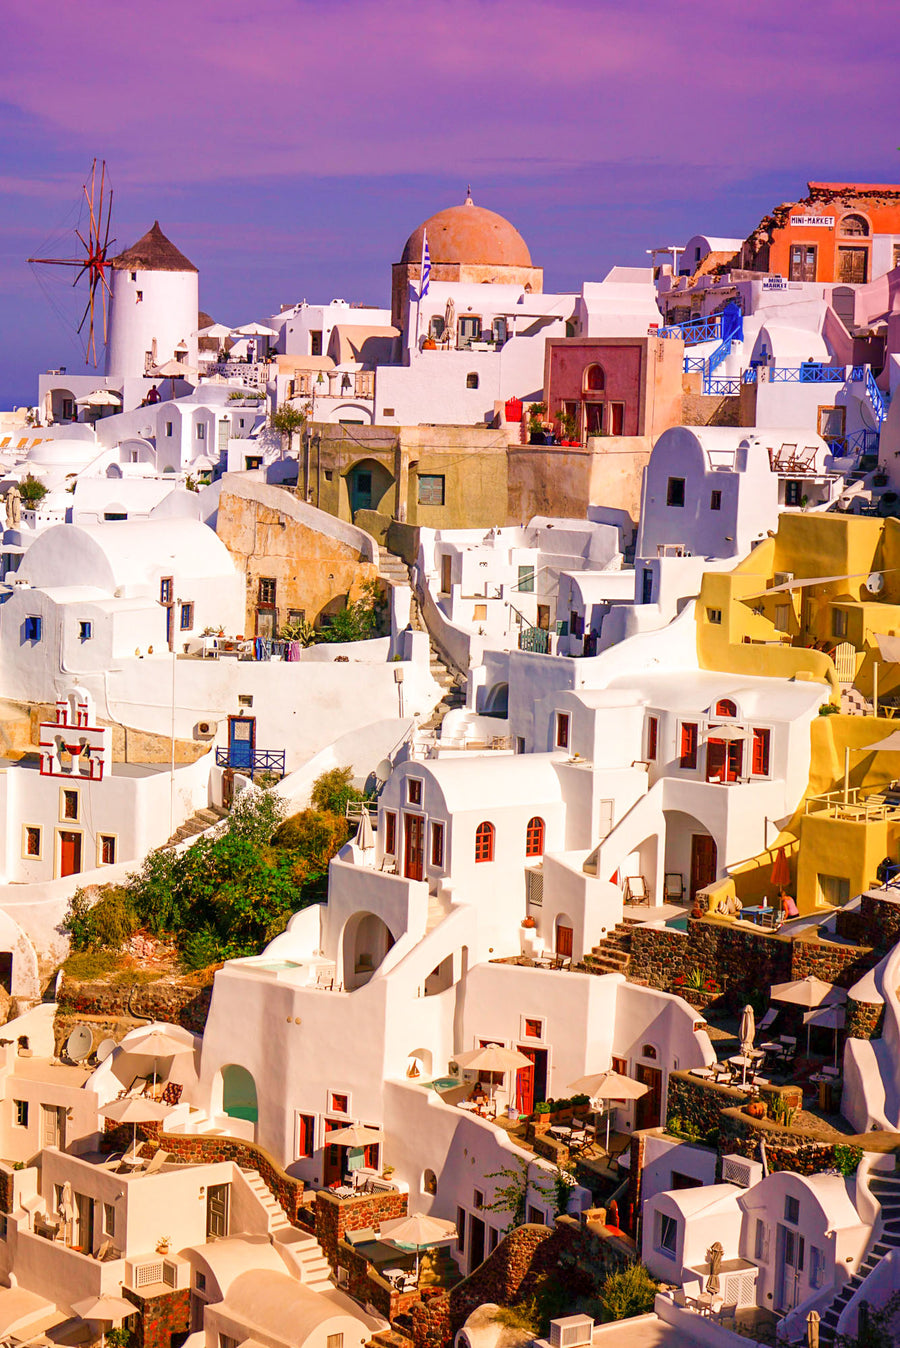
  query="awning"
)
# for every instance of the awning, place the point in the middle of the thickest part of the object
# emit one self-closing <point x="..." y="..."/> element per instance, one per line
<point x="888" y="648"/>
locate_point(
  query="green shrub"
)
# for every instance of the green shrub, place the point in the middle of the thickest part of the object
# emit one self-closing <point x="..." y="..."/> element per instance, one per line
<point x="255" y="815"/>
<point x="526" y="1315"/>
<point x="104" y="925"/>
<point x="31" y="491"/>
<point x="628" y="1292"/>
<point x="357" y="621"/>
<point x="87" y="964"/>
<point x="847" y="1159"/>
<point x="333" y="791"/>
<point x="543" y="1107"/>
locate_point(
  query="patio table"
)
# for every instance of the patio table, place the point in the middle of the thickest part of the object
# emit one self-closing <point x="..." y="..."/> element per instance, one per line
<point x="701" y="1071"/>
<point x="561" y="1131"/>
<point x="756" y="913"/>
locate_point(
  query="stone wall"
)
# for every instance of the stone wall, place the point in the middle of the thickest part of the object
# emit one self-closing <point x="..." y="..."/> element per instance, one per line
<point x="829" y="960"/>
<point x="880" y="921"/>
<point x="6" y="1189"/>
<point x="739" y="957"/>
<point x="203" y="1148"/>
<point x="577" y="1256"/>
<point x="864" y="1019"/>
<point x="175" y="1000"/>
<point x="699" y="409"/>
<point x="336" y="1216"/>
<point x="161" y="1317"/>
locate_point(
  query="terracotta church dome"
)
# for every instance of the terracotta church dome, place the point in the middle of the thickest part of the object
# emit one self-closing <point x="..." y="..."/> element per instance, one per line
<point x="469" y="235"/>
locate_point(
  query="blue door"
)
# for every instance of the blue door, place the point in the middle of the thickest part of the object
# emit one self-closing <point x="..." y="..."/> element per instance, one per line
<point x="241" y="742"/>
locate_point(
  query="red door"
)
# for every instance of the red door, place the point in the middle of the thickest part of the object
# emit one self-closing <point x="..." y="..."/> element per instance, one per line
<point x="563" y="940"/>
<point x="704" y="862"/>
<point x="724" y="759"/>
<point x="525" y="1083"/>
<point x="69" y="853"/>
<point x="649" y="1106"/>
<point x="414" y="846"/>
<point x="333" y="1160"/>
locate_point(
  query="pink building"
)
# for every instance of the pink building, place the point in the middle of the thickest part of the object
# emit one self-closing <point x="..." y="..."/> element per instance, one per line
<point x="625" y="386"/>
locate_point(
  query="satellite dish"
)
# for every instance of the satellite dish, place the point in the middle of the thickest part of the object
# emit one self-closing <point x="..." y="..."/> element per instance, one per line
<point x="79" y="1044"/>
<point x="104" y="1049"/>
<point x="875" y="582"/>
<point x="384" y="769"/>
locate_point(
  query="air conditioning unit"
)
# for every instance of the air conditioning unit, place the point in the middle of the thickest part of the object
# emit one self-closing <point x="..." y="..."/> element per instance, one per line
<point x="205" y="730"/>
<point x="738" y="1170"/>
<point x="155" y="1270"/>
<point x="571" y="1331"/>
<point x="783" y="577"/>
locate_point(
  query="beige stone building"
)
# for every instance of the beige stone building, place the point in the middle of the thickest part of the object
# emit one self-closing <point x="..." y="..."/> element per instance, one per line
<point x="299" y="563"/>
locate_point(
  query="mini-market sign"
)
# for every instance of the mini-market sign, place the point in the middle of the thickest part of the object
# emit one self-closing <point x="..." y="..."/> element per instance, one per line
<point x="814" y="221"/>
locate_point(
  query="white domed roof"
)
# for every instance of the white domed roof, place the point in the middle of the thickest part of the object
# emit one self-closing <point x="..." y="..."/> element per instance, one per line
<point x="59" y="453"/>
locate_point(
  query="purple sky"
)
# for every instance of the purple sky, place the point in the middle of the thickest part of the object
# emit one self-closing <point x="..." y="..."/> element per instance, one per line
<point x="289" y="146"/>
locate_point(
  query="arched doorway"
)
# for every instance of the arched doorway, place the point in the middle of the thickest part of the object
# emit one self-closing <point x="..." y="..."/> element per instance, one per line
<point x="367" y="939"/>
<point x="368" y="483"/>
<point x="239" y="1094"/>
<point x="563" y="935"/>
<point x="497" y="703"/>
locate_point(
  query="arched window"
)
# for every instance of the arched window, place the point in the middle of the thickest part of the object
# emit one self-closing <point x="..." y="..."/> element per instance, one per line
<point x="594" y="379"/>
<point x="855" y="224"/>
<point x="484" y="842"/>
<point x="648" y="1051"/>
<point x="472" y="380"/>
<point x="726" y="707"/>
<point x="534" y="837"/>
<point x="429" y="1182"/>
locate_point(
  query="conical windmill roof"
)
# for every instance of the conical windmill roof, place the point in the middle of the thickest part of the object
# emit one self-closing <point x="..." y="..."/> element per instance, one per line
<point x="154" y="252"/>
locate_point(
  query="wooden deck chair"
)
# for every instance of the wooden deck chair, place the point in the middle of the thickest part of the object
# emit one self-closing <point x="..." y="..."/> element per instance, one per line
<point x="636" y="889"/>
<point x="156" y="1162"/>
<point x="673" y="886"/>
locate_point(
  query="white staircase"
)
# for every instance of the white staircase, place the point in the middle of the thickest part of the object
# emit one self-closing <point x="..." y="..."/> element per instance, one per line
<point x="277" y="1217"/>
<point x="886" y="1189"/>
<point x="304" y="1253"/>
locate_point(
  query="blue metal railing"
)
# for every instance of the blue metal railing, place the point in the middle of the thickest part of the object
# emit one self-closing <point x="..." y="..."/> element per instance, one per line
<point x="875" y="397"/>
<point x="858" y="442"/>
<point x="695" y="365"/>
<point x="727" y="386"/>
<point x="748" y="376"/>
<point x="261" y="760"/>
<point x="699" y="330"/>
<point x="810" y="372"/>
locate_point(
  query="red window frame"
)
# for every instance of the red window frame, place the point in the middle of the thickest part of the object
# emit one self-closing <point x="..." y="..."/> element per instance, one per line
<point x="761" y="745"/>
<point x="306" y="1135"/>
<point x="339" y="1102"/>
<point x="414" y="790"/>
<point x="652" y="737"/>
<point x="534" y="1029"/>
<point x="725" y="707"/>
<point x="390" y="833"/>
<point x="437" y="845"/>
<point x="562" y="730"/>
<point x="689" y="740"/>
<point x="484" y="842"/>
<point x="534" y="837"/>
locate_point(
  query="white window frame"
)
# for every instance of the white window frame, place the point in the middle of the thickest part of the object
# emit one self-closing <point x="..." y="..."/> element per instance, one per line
<point x="665" y="1220"/>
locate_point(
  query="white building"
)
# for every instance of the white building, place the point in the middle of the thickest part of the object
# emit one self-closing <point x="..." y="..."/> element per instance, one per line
<point x="153" y="307"/>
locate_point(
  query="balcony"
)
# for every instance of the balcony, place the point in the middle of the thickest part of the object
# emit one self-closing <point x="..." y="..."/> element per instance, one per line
<point x="252" y="761"/>
<point x="252" y="374"/>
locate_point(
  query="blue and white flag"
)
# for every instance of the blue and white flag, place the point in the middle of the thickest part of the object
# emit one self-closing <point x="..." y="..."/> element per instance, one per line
<point x="426" y="267"/>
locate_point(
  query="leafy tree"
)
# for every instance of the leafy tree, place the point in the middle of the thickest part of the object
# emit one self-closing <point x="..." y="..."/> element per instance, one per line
<point x="256" y="814"/>
<point x="104" y="925"/>
<point x="31" y="491"/>
<point x="287" y="420"/>
<point x="512" y="1196"/>
<point x="627" y="1292"/>
<point x="333" y="790"/>
<point x="357" y="621"/>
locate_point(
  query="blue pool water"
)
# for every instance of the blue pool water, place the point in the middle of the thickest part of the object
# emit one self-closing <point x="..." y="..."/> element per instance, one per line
<point x="274" y="966"/>
<point x="678" y="923"/>
<point x="443" y="1083"/>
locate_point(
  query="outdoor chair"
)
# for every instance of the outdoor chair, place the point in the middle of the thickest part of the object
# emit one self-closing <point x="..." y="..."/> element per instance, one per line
<point x="635" y="889"/>
<point x="673" y="887"/>
<point x="172" y="1093"/>
<point x="680" y="1297"/>
<point x="767" y="1020"/>
<point x="156" y="1162"/>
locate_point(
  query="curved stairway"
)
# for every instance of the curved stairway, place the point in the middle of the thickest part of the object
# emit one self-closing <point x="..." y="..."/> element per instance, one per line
<point x="886" y="1189"/>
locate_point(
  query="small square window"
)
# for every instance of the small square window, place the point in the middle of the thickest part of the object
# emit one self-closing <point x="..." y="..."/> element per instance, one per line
<point x="32" y="840"/>
<point x="388" y="412"/>
<point x="32" y="628"/>
<point x="340" y="1104"/>
<point x="478" y="1200"/>
<point x="200" y="1281"/>
<point x="134" y="276"/>
<point x="187" y="617"/>
<point x="21" y="1112"/>
<point x="85" y="631"/>
<point x="526" y="580"/>
<point x="792" y="1210"/>
<point x="431" y="489"/>
<point x="715" y="500"/>
<point x="534" y="1029"/>
<point x="107" y="849"/>
<point x="839" y="622"/>
<point x="675" y="491"/>
<point x="266" y="593"/>
<point x="414" y="790"/>
<point x="714" y="616"/>
<point x="472" y="380"/>
<point x="479" y="613"/>
<point x="296" y="615"/>
<point x="70" y="805"/>
<point x="138" y="296"/>
<point x="668" y="1234"/>
<point x="334" y="1341"/>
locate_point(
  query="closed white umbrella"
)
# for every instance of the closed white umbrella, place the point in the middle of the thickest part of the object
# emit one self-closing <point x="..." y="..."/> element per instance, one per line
<point x="609" y="1086"/>
<point x="746" y="1035"/>
<point x="365" y="836"/>
<point x="419" y="1231"/>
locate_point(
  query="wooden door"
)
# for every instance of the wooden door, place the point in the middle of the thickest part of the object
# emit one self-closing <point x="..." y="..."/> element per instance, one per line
<point x="525" y="1083"/>
<point x="649" y="1106"/>
<point x="52" y="1126"/>
<point x="69" y="853"/>
<point x="704" y="862"/>
<point x="476" y="1243"/>
<point x="217" y="1210"/>
<point x="563" y="940"/>
<point x="84" y="1223"/>
<point x="414" y="846"/>
<point x="446" y="573"/>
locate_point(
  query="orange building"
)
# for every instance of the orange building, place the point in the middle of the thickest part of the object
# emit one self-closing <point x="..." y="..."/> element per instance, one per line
<point x="840" y="232"/>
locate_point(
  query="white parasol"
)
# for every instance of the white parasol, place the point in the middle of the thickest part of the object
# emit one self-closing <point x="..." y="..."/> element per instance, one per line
<point x="101" y="397"/>
<point x="365" y="836"/>
<point x="134" y="1110"/>
<point x="419" y="1231"/>
<point x="808" y="992"/>
<point x="355" y="1135"/>
<point x="156" y="1044"/>
<point x="255" y="330"/>
<point x="608" y="1086"/>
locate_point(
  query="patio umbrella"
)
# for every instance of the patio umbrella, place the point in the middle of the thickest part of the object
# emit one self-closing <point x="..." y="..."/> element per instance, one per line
<point x="812" y="1330"/>
<point x="419" y="1231"/>
<point x="101" y="397"/>
<point x="714" y="1257"/>
<point x="134" y="1110"/>
<point x="609" y="1086"/>
<point x="807" y="992"/>
<point x="494" y="1058"/>
<point x="356" y="1135"/>
<point x="67" y="1209"/>
<point x="781" y="870"/>
<point x="217" y="331"/>
<point x="450" y="323"/>
<point x="255" y="330"/>
<point x="829" y="1017"/>
<point x="365" y="837"/>
<point x="746" y="1035"/>
<point x="105" y="1309"/>
<point x="156" y="1044"/>
<point x="172" y="370"/>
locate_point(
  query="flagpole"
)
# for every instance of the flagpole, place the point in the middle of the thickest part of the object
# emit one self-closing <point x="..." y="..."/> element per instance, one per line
<point x="421" y="283"/>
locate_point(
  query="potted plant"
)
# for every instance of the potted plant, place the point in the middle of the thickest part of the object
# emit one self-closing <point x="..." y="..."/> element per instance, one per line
<point x="541" y="1116"/>
<point x="568" y="426"/>
<point x="536" y="423"/>
<point x="581" y="1105"/>
<point x="756" y="1109"/>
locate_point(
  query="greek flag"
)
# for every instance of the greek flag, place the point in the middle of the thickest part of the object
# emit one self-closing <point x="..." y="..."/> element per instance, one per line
<point x="426" y="268"/>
